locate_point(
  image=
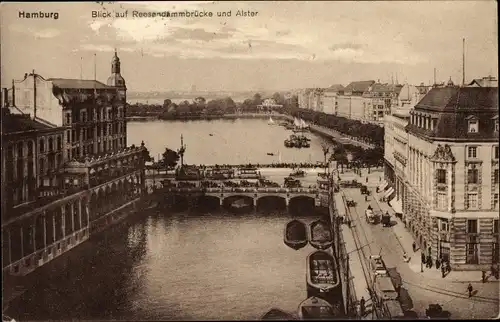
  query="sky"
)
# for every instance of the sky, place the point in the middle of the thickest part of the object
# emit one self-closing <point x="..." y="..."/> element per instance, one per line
<point x="285" y="45"/>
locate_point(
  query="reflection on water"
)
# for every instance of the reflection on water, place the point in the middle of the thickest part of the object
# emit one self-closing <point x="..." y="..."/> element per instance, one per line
<point x="175" y="267"/>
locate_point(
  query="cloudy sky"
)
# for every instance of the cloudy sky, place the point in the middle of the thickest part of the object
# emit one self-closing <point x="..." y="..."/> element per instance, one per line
<point x="286" y="45"/>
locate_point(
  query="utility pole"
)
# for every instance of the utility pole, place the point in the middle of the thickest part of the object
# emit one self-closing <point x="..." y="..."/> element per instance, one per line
<point x="463" y="62"/>
<point x="34" y="93"/>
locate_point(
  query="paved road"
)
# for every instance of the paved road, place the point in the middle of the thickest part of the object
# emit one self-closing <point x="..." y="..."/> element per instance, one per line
<point x="417" y="291"/>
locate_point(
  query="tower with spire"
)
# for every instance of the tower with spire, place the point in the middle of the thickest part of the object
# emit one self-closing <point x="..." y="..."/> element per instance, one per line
<point x="116" y="78"/>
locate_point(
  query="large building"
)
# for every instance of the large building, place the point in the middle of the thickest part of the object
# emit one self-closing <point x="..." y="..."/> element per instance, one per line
<point x="444" y="171"/>
<point x="66" y="169"/>
<point x="94" y="111"/>
<point x="352" y="104"/>
<point x="379" y="99"/>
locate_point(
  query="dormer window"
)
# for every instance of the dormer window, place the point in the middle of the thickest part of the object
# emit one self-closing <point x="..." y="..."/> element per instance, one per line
<point x="472" y="124"/>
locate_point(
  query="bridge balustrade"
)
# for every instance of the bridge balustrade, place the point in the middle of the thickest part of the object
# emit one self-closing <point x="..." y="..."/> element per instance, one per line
<point x="247" y="190"/>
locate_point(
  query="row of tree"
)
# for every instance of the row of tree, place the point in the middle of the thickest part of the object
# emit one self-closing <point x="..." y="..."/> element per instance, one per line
<point x="200" y="107"/>
<point x="368" y="133"/>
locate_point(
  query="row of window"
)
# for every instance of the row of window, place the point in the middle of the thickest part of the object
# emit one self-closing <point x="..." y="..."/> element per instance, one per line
<point x="473" y="125"/>
<point x="100" y="115"/>
<point x="89" y="148"/>
<point x="472" y="152"/>
<point x="472" y="253"/>
<point x="41" y="143"/>
<point x="472" y="201"/>
<point x="472" y="176"/>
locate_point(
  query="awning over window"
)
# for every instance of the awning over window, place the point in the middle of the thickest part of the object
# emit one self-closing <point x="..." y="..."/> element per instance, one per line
<point x="382" y="186"/>
<point x="388" y="192"/>
<point x="397" y="206"/>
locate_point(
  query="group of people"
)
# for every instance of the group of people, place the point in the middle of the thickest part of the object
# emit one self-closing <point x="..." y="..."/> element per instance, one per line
<point x="440" y="262"/>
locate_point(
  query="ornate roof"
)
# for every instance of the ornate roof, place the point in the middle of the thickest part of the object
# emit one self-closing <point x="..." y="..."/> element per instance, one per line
<point x="443" y="154"/>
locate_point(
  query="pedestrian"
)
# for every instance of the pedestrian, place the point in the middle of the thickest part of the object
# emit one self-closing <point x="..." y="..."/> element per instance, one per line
<point x="469" y="288"/>
<point x="483" y="277"/>
<point x="362" y="306"/>
<point x="438" y="263"/>
<point x="366" y="179"/>
<point x="443" y="270"/>
<point x="423" y="258"/>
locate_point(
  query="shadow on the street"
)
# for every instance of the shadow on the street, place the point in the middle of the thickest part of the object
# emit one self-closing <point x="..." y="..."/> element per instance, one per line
<point x="392" y="223"/>
<point x="405" y="299"/>
<point x="411" y="315"/>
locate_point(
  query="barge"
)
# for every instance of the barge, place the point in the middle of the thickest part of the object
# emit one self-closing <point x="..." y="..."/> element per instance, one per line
<point x="295" y="235"/>
<point x="321" y="236"/>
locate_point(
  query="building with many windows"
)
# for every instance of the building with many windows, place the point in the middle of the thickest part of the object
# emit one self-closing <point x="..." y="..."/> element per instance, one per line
<point x="94" y="111"/>
<point x="66" y="169"/>
<point x="447" y="175"/>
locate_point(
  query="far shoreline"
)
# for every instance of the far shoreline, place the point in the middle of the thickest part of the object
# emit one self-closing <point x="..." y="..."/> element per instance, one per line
<point x="208" y="117"/>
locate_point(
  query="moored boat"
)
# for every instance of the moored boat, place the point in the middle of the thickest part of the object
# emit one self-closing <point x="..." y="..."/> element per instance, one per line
<point x="295" y="235"/>
<point x="315" y="308"/>
<point x="322" y="272"/>
<point x="277" y="315"/>
<point x="321" y="236"/>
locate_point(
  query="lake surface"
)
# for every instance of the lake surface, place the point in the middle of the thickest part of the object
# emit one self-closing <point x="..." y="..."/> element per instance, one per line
<point x="238" y="141"/>
<point x="180" y="266"/>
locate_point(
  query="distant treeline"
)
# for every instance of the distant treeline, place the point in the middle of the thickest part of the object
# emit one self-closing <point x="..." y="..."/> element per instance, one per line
<point x="201" y="108"/>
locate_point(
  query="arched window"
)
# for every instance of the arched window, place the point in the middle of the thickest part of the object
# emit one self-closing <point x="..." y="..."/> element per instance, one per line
<point x="30" y="148"/>
<point x="51" y="144"/>
<point x="42" y="145"/>
<point x="59" y="143"/>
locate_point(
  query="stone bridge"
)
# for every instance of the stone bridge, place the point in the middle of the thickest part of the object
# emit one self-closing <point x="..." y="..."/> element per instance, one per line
<point x="255" y="194"/>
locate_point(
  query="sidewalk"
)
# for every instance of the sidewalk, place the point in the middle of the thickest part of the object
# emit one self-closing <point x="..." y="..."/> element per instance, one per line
<point x="405" y="242"/>
<point x="357" y="276"/>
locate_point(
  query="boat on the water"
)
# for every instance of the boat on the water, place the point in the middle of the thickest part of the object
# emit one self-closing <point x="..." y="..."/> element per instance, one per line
<point x="322" y="273"/>
<point x="295" y="235"/>
<point x="269" y="153"/>
<point x="321" y="236"/>
<point x="315" y="308"/>
<point x="277" y="315"/>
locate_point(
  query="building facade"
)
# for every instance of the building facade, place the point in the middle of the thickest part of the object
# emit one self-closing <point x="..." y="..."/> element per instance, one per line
<point x="380" y="98"/>
<point x="396" y="140"/>
<point x="94" y="111"/>
<point x="352" y="104"/>
<point x="65" y="150"/>
<point x="449" y="184"/>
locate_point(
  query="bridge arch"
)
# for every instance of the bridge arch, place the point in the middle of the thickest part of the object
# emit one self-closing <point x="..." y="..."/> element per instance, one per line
<point x="302" y="204"/>
<point x="269" y="203"/>
<point x="238" y="201"/>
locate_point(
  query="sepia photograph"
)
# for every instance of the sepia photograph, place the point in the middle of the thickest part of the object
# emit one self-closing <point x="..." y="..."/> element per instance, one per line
<point x="249" y="160"/>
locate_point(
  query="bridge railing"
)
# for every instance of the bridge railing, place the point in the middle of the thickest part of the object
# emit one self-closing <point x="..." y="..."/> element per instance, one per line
<point x="247" y="190"/>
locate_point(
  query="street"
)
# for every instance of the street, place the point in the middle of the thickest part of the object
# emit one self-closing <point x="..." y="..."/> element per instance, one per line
<point x="418" y="290"/>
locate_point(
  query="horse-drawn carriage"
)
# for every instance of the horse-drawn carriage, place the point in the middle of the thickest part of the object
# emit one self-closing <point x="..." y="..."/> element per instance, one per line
<point x="370" y="216"/>
<point x="350" y="202"/>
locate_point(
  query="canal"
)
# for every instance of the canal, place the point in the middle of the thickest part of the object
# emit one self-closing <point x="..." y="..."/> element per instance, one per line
<point x="183" y="266"/>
